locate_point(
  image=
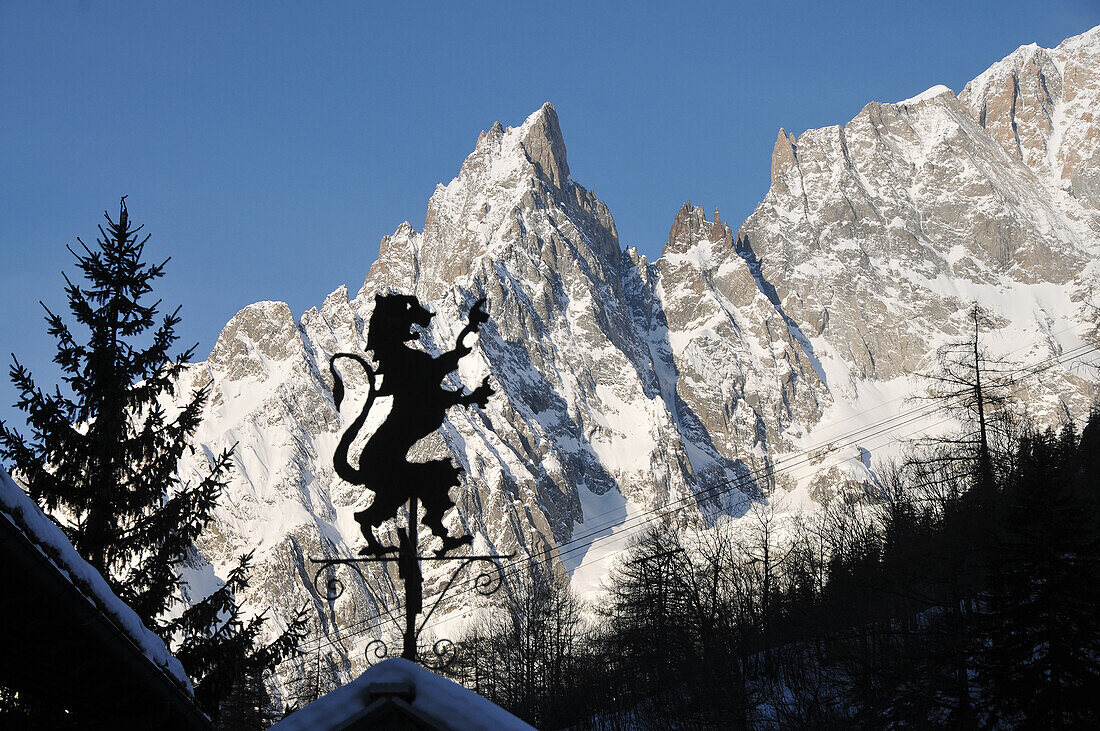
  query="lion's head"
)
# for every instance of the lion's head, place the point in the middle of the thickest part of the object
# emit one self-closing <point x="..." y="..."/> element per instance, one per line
<point x="392" y="320"/>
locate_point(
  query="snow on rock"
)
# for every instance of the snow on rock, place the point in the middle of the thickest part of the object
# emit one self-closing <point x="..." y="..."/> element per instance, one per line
<point x="443" y="702"/>
<point x="1040" y="105"/>
<point x="623" y="384"/>
<point x="21" y="510"/>
<point x="927" y="94"/>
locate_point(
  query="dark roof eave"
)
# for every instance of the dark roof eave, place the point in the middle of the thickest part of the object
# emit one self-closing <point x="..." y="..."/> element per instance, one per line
<point x="105" y="635"/>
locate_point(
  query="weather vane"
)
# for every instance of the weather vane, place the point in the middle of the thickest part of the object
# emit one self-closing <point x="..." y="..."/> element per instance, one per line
<point x="413" y="378"/>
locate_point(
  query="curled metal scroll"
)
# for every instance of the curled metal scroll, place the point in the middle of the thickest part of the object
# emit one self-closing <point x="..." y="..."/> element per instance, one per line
<point x="376" y="651"/>
<point x="488" y="581"/>
<point x="442" y="657"/>
<point x="485" y="583"/>
<point x="443" y="652"/>
<point x="333" y="587"/>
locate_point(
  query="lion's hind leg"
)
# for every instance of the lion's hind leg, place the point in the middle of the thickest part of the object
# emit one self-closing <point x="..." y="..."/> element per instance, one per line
<point x="438" y="477"/>
<point x="382" y="509"/>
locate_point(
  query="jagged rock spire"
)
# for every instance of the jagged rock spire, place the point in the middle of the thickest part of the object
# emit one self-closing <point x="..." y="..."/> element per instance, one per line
<point x="544" y="145"/>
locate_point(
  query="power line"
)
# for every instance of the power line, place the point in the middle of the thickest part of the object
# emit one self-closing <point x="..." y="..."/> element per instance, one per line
<point x="600" y="527"/>
<point x="656" y="514"/>
<point x="794" y="459"/>
<point x="791" y="461"/>
<point x="786" y="463"/>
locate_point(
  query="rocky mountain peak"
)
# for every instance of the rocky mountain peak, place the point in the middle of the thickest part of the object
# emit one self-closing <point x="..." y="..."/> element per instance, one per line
<point x="510" y="158"/>
<point x="624" y="385"/>
<point x="939" y="90"/>
<point x="1039" y="105"/>
<point x="1015" y="102"/>
<point x="1087" y="42"/>
<point x="495" y="133"/>
<point x="512" y="199"/>
<point x="542" y="141"/>
<point x="783" y="156"/>
<point x="258" y="337"/>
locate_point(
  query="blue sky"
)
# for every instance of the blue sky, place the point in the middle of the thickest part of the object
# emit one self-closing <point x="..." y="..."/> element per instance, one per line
<point x="269" y="146"/>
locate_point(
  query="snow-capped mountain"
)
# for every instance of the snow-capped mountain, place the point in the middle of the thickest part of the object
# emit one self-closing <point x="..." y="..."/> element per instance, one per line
<point x="624" y="385"/>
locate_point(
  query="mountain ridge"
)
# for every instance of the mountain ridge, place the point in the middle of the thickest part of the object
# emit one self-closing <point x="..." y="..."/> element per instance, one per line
<point x="626" y="384"/>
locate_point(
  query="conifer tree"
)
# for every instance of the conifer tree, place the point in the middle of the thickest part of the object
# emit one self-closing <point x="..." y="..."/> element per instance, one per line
<point x="972" y="384"/>
<point x="104" y="455"/>
<point x="102" y="460"/>
<point x="1041" y="627"/>
<point x="222" y="653"/>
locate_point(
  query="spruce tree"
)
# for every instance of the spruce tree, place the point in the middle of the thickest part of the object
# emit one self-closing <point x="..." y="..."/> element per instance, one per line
<point x="222" y="653"/>
<point x="103" y="456"/>
<point x="102" y="460"/>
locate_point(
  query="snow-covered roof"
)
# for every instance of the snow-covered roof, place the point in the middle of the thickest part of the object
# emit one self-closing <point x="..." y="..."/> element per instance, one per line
<point x="439" y="701"/>
<point x="16" y="506"/>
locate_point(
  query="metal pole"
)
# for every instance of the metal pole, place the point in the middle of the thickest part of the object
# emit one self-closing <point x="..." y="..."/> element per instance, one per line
<point x="414" y="596"/>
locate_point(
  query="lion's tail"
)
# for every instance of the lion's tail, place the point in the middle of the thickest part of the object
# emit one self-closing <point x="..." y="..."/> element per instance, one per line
<point x="340" y="460"/>
<point x="338" y="383"/>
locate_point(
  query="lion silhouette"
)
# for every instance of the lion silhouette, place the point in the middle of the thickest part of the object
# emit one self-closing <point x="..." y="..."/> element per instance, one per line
<point x="413" y="378"/>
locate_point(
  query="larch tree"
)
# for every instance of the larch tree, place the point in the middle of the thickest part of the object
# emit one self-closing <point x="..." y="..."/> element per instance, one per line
<point x="970" y="383"/>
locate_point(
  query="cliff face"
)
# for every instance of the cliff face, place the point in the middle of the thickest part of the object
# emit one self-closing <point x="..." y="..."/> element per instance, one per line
<point x="624" y="384"/>
<point x="1040" y="105"/>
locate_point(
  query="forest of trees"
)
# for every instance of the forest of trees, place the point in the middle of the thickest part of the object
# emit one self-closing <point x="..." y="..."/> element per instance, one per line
<point x="961" y="592"/>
